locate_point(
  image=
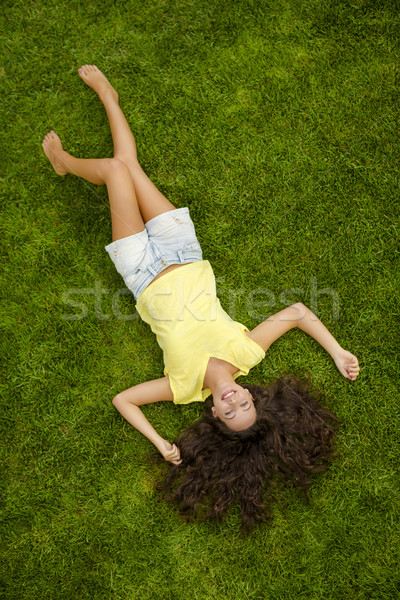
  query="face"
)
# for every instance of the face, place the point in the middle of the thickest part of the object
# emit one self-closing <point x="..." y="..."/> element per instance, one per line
<point x="235" y="407"/>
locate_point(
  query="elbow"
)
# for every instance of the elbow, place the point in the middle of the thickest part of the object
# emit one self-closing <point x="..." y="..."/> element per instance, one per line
<point x="300" y="309"/>
<point x="123" y="399"/>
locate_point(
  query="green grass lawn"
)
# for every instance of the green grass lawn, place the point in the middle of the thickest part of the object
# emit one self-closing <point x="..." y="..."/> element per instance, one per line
<point x="277" y="124"/>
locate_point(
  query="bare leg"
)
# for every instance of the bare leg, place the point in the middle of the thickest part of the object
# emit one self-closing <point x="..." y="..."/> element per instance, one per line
<point x="125" y="213"/>
<point x="151" y="201"/>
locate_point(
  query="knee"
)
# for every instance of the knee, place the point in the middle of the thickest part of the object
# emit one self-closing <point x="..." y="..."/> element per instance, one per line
<point x="117" y="166"/>
<point x="117" y="400"/>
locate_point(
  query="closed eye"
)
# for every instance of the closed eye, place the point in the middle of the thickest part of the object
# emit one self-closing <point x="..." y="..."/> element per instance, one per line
<point x="246" y="406"/>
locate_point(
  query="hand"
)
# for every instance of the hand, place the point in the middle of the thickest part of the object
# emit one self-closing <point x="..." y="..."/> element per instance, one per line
<point x="347" y="364"/>
<point x="171" y="453"/>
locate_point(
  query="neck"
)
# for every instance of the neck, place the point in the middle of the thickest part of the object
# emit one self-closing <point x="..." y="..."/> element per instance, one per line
<point x="219" y="375"/>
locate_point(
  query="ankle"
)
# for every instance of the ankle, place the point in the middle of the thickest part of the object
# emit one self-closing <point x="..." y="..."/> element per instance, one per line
<point x="109" y="95"/>
<point x="65" y="159"/>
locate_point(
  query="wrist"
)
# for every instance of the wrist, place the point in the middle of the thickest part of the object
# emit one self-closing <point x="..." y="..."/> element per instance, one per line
<point x="336" y="351"/>
<point x="160" y="444"/>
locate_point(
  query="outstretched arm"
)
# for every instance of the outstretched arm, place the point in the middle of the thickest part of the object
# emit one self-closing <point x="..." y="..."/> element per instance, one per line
<point x="298" y="315"/>
<point x="128" y="402"/>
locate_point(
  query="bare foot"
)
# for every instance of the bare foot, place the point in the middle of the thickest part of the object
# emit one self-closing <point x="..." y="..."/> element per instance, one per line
<point x="54" y="151"/>
<point x="97" y="81"/>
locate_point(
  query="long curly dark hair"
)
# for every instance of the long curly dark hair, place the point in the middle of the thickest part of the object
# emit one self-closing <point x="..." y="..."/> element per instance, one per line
<point x="293" y="437"/>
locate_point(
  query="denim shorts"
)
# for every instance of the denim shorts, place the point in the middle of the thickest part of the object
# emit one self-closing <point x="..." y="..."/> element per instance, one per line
<point x="168" y="239"/>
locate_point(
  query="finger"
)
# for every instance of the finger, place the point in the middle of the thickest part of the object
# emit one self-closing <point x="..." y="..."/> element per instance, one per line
<point x="175" y="461"/>
<point x="354" y="369"/>
<point x="172" y="456"/>
<point x="176" y="450"/>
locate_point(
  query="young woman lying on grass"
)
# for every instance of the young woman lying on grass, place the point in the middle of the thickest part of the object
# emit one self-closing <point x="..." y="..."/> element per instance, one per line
<point x="249" y="436"/>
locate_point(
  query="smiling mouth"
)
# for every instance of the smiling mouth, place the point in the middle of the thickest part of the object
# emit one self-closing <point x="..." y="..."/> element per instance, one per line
<point x="227" y="394"/>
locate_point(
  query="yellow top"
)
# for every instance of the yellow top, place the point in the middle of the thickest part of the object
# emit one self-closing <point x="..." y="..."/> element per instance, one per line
<point x="184" y="312"/>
